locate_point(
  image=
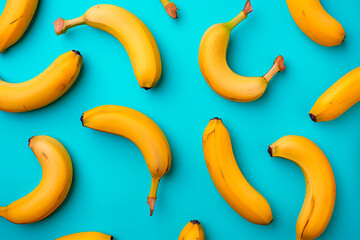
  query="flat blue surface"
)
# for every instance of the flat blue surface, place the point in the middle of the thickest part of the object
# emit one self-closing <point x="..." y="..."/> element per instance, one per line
<point x="111" y="180"/>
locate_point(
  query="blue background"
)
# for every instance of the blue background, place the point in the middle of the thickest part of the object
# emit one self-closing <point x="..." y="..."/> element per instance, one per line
<point x="111" y="180"/>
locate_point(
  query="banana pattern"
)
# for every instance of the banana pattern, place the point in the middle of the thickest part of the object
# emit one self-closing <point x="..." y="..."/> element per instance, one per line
<point x="87" y="236"/>
<point x="316" y="23"/>
<point x="53" y="187"/>
<point x="130" y="31"/>
<point x="139" y="129"/>
<point x="338" y="98"/>
<point x="192" y="231"/>
<point x="320" y="183"/>
<point x="43" y="89"/>
<point x="217" y="73"/>
<point x="227" y="177"/>
<point x="14" y="21"/>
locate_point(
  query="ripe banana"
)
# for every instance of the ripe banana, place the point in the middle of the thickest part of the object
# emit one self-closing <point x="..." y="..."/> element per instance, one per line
<point x="86" y="236"/>
<point x="130" y="31"/>
<point x="316" y="23"/>
<point x="14" y="21"/>
<point x="54" y="185"/>
<point x="214" y="67"/>
<point x="43" y="89"/>
<point x="338" y="98"/>
<point x="139" y="129"/>
<point x="227" y="177"/>
<point x="170" y="8"/>
<point x="192" y="231"/>
<point x="320" y="183"/>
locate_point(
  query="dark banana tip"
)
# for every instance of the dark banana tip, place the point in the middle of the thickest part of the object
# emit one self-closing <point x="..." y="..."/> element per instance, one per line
<point x="195" y="222"/>
<point x="216" y="118"/>
<point x="111" y="237"/>
<point x="77" y="52"/>
<point x="82" y="119"/>
<point x="29" y="141"/>
<point x="270" y="151"/>
<point x="146" y="88"/>
<point x="313" y="117"/>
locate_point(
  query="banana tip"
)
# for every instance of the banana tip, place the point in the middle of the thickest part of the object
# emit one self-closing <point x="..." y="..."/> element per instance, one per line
<point x="313" y="117"/>
<point x="146" y="88"/>
<point x="151" y="202"/>
<point x="82" y="119"/>
<point x="248" y="8"/>
<point x="196" y="222"/>
<point x="111" y="237"/>
<point x="270" y="151"/>
<point x="171" y="9"/>
<point x="216" y="118"/>
<point x="77" y="52"/>
<point x="29" y="141"/>
<point x="59" y="25"/>
<point x="280" y="62"/>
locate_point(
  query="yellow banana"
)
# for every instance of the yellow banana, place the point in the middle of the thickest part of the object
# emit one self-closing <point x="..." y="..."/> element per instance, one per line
<point x="316" y="23"/>
<point x="170" y="8"/>
<point x="130" y="31"/>
<point x="86" y="236"/>
<point x="53" y="187"/>
<point x="214" y="67"/>
<point x="14" y="21"/>
<point x="192" y="231"/>
<point x="139" y="129"/>
<point x="43" y="89"/>
<point x="320" y="183"/>
<point x="338" y="98"/>
<point x="227" y="177"/>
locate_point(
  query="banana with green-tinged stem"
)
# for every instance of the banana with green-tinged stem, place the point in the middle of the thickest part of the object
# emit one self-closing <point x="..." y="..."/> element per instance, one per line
<point x="43" y="89"/>
<point x="170" y="8"/>
<point x="217" y="73"/>
<point x="227" y="177"/>
<point x="320" y="183"/>
<point x="338" y="98"/>
<point x="316" y="23"/>
<point x="53" y="187"/>
<point x="139" y="129"/>
<point x="14" y="21"/>
<point x="192" y="231"/>
<point x="87" y="236"/>
<point x="130" y="31"/>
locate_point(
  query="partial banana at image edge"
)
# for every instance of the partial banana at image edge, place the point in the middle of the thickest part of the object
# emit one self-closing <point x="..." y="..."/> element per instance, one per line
<point x="54" y="185"/>
<point x="320" y="183"/>
<point x="134" y="35"/>
<point x="14" y="21"/>
<point x="170" y="8"/>
<point x="45" y="88"/>
<point x="192" y="231"/>
<point x="139" y="129"/>
<point x="86" y="236"/>
<point x="338" y="98"/>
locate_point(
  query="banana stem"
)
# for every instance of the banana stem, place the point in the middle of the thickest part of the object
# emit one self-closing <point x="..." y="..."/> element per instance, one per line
<point x="152" y="196"/>
<point x="241" y="16"/>
<point x="170" y="8"/>
<point x="278" y="66"/>
<point x="61" y="25"/>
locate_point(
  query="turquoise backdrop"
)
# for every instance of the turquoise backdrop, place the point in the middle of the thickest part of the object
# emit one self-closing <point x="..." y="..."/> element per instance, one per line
<point x="111" y="180"/>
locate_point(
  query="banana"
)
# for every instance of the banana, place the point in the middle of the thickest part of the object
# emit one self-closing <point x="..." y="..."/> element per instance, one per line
<point x="316" y="23"/>
<point x="214" y="67"/>
<point x="130" y="31"/>
<point x="320" y="183"/>
<point x="86" y="236"/>
<point x="170" y="8"/>
<point x="43" y="89"/>
<point x="192" y="231"/>
<point x="139" y="129"/>
<point x="53" y="187"/>
<point x="338" y="98"/>
<point x="227" y="177"/>
<point x="14" y="21"/>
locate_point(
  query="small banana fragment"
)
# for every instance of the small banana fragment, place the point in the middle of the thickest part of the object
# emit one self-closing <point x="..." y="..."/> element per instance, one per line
<point x="320" y="183"/>
<point x="54" y="185"/>
<point x="217" y="73"/>
<point x="192" y="231"/>
<point x="139" y="129"/>
<point x="87" y="236"/>
<point x="130" y="31"/>
<point x="227" y="177"/>
<point x="170" y="8"/>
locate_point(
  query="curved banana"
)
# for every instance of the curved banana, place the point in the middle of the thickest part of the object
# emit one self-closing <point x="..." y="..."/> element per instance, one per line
<point x="192" y="231"/>
<point x="214" y="67"/>
<point x="170" y="8"/>
<point x="14" y="21"/>
<point x="130" y="31"/>
<point x="87" y="236"/>
<point x="320" y="183"/>
<point x="53" y="187"/>
<point x="43" y="89"/>
<point x="338" y="98"/>
<point x="227" y="177"/>
<point x="316" y="23"/>
<point x="139" y="129"/>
